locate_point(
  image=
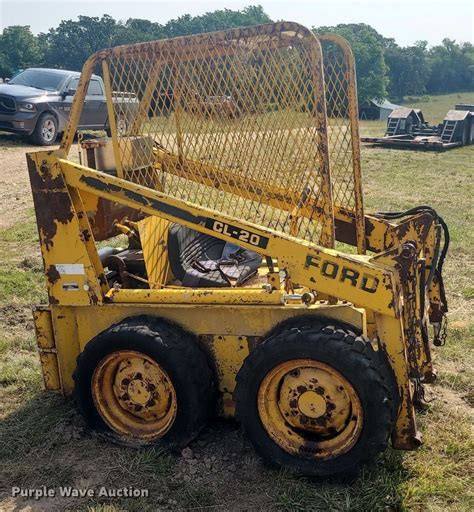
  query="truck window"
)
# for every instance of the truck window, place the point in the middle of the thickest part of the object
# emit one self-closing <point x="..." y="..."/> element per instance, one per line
<point x="94" y="89"/>
<point x="39" y="79"/>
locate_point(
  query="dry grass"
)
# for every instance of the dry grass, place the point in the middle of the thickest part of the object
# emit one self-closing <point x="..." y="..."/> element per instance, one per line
<point x="43" y="441"/>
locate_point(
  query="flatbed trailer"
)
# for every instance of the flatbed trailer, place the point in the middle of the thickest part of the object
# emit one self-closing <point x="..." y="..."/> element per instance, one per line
<point x="407" y="141"/>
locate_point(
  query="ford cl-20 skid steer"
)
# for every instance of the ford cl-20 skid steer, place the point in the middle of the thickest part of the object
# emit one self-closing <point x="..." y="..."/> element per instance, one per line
<point x="214" y="255"/>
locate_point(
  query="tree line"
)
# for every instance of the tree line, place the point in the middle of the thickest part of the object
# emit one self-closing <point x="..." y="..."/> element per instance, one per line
<point x="383" y="67"/>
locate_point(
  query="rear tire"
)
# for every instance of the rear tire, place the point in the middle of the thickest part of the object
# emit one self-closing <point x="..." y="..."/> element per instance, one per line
<point x="317" y="400"/>
<point x="121" y="126"/>
<point x="46" y="131"/>
<point x="145" y="356"/>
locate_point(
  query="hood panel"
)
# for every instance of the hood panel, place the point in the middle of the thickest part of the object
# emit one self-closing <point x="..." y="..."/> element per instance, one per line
<point x="23" y="92"/>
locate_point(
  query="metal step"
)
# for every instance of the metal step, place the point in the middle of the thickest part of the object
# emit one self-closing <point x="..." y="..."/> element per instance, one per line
<point x="448" y="131"/>
<point x="392" y="126"/>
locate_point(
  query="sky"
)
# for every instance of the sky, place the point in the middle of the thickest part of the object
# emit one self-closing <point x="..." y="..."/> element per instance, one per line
<point x="406" y="21"/>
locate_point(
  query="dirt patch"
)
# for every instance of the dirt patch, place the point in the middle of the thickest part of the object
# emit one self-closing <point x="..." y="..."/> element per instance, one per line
<point x="218" y="471"/>
<point x="15" y="193"/>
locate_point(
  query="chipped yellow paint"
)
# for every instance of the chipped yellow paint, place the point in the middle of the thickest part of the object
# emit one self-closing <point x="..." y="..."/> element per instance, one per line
<point x="43" y="327"/>
<point x="228" y="353"/>
<point x="49" y="365"/>
<point x="154" y="237"/>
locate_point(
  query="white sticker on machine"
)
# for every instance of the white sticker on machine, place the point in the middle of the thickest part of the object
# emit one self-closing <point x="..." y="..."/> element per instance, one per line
<point x="70" y="269"/>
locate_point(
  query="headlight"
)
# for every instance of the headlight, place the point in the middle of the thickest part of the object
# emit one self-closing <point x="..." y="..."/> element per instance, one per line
<point x="26" y="107"/>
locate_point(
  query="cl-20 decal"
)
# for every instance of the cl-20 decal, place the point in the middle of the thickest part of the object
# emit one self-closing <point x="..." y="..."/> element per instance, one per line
<point x="243" y="235"/>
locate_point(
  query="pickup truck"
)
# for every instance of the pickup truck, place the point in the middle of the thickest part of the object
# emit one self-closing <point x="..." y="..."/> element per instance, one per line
<point x="37" y="103"/>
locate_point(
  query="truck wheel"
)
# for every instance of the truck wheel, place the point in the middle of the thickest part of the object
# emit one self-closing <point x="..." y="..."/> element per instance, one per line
<point x="317" y="400"/>
<point x="46" y="131"/>
<point x="144" y="381"/>
<point x="121" y="125"/>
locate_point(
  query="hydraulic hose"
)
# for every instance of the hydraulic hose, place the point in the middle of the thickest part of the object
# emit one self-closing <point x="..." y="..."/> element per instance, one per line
<point x="422" y="209"/>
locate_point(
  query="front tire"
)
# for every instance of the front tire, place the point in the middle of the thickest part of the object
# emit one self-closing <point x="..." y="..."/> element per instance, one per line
<point x="145" y="381"/>
<point x="46" y="131"/>
<point x="317" y="400"/>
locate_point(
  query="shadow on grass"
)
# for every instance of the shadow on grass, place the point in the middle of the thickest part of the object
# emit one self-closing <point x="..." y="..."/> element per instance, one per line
<point x="44" y="442"/>
<point x="13" y="140"/>
<point x="375" y="488"/>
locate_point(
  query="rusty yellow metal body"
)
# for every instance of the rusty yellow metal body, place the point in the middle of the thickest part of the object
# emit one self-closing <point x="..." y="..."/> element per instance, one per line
<point x="251" y="136"/>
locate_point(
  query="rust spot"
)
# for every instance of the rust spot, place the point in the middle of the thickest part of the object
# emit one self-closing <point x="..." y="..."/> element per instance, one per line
<point x="403" y="230"/>
<point x="52" y="201"/>
<point x="52" y="274"/>
<point x="53" y="300"/>
<point x="93" y="297"/>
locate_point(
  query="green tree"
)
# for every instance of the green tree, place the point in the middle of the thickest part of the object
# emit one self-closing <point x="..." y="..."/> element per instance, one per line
<point x="136" y="31"/>
<point x="409" y="69"/>
<point x="72" y="42"/>
<point x="452" y="67"/>
<point x="368" y="48"/>
<point x="19" y="49"/>
<point x="216" y="20"/>
<point x="69" y="44"/>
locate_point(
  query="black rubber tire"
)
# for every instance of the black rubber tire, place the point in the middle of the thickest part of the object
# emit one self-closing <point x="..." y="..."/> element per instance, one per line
<point x="179" y="355"/>
<point x="354" y="357"/>
<point x="37" y="135"/>
<point x="307" y="321"/>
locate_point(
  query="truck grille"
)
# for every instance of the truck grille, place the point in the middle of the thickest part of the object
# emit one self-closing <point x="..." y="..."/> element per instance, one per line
<point x="7" y="105"/>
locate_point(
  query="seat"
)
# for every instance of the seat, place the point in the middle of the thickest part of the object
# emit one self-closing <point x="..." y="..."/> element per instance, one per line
<point x="203" y="261"/>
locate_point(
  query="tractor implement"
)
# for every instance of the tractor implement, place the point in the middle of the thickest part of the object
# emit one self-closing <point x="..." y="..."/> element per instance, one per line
<point x="407" y="129"/>
<point x="214" y="255"/>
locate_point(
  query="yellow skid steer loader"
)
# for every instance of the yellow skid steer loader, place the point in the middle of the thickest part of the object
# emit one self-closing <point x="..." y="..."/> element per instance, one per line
<point x="213" y="254"/>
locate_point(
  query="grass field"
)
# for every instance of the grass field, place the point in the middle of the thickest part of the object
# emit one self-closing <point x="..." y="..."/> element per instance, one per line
<point x="43" y="441"/>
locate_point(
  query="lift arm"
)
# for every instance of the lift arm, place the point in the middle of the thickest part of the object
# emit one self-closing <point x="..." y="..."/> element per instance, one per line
<point x="350" y="277"/>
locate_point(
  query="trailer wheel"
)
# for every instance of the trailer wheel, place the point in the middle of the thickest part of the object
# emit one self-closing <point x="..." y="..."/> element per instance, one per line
<point x="317" y="400"/>
<point x="144" y="381"/>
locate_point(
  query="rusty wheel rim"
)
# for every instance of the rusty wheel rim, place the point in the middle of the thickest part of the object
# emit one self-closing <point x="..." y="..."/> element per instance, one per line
<point x="309" y="409"/>
<point x="134" y="395"/>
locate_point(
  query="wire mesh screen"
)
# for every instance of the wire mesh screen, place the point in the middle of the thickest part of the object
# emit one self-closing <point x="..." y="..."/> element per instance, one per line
<point x="343" y="129"/>
<point x="236" y="121"/>
<point x="339" y="122"/>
